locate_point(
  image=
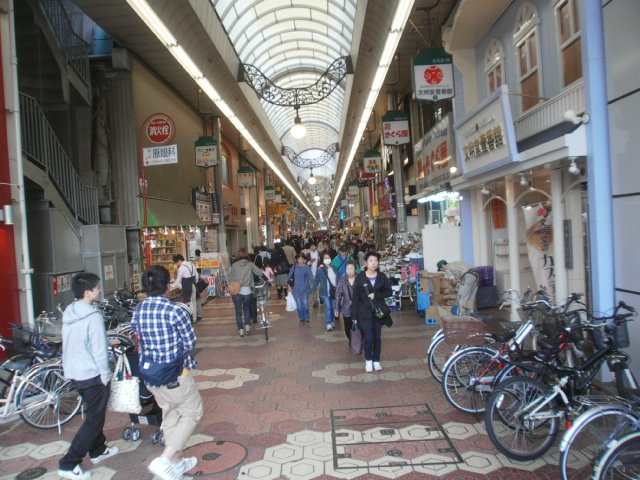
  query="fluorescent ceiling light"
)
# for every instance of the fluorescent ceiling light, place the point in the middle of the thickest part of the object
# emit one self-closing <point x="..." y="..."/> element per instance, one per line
<point x="393" y="38"/>
<point x="149" y="17"/>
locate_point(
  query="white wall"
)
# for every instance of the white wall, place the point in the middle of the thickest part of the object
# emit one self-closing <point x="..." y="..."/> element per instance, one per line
<point x="441" y="241"/>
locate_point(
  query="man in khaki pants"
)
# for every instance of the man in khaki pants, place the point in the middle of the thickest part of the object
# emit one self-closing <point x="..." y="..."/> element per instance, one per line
<point x="166" y="337"/>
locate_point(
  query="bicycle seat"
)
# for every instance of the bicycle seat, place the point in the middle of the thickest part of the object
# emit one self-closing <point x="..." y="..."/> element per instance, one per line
<point x="502" y="337"/>
<point x="19" y="363"/>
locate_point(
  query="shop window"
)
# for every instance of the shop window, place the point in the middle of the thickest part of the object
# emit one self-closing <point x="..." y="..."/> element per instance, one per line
<point x="494" y="65"/>
<point x="526" y="38"/>
<point x="224" y="168"/>
<point x="568" y="24"/>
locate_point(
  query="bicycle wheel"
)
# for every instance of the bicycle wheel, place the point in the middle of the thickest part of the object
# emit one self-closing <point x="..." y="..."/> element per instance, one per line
<point x="621" y="461"/>
<point x="439" y="353"/>
<point x="512" y="427"/>
<point x="585" y="442"/>
<point x="45" y="398"/>
<point x="467" y="378"/>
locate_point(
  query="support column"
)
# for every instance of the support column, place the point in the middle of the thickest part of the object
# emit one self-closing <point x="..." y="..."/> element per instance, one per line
<point x="222" y="233"/>
<point x="557" y="222"/>
<point x="267" y="219"/>
<point x="514" y="248"/>
<point x="398" y="177"/>
<point x="594" y="71"/>
<point x="481" y="243"/>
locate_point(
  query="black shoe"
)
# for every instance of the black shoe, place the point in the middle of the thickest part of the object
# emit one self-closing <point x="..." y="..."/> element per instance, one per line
<point x="316" y="304"/>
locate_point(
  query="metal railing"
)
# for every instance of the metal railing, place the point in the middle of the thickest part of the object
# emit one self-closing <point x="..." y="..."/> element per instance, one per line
<point x="76" y="50"/>
<point x="41" y="144"/>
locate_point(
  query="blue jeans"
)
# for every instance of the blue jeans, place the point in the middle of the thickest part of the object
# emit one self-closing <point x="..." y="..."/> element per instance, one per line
<point x="372" y="341"/>
<point x="243" y="305"/>
<point x="330" y="306"/>
<point x="303" y="306"/>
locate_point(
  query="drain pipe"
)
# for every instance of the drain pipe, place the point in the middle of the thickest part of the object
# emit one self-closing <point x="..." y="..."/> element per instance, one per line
<point x="15" y="157"/>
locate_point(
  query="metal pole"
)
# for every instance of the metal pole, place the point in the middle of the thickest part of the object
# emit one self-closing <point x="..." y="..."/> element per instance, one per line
<point x="398" y="180"/>
<point x="222" y="233"/>
<point x="267" y="183"/>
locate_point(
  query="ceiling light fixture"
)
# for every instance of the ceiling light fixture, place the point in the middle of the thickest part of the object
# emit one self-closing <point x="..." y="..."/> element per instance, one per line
<point x="316" y="198"/>
<point x="312" y="180"/>
<point x="485" y="191"/>
<point x="453" y="169"/>
<point x="298" y="130"/>
<point x="573" y="167"/>
<point x="523" y="180"/>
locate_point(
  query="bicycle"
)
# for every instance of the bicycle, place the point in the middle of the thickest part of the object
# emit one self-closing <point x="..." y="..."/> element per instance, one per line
<point x="620" y="461"/>
<point x="522" y="415"/>
<point x="37" y="392"/>
<point x="263" y="293"/>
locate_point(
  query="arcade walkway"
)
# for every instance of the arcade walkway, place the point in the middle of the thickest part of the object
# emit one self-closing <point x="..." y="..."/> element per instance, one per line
<point x="300" y="407"/>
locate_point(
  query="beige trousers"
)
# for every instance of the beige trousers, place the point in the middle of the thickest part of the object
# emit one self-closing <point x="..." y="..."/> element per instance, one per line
<point x="181" y="411"/>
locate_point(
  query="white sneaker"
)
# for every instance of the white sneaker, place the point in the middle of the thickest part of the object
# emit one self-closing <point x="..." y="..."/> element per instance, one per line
<point x="241" y="332"/>
<point x="330" y="327"/>
<point x="164" y="469"/>
<point x="76" y="474"/>
<point x="368" y="366"/>
<point x="109" y="452"/>
<point x="186" y="464"/>
<point x="247" y="329"/>
<point x="376" y="366"/>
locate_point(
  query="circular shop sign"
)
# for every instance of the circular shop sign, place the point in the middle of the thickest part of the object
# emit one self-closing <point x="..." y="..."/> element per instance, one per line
<point x="159" y="128"/>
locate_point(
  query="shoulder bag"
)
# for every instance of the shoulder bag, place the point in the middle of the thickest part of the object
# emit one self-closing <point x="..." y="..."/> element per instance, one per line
<point x="382" y="311"/>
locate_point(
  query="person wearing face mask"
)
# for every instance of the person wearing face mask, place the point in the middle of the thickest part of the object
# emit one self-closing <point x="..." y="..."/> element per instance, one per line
<point x="299" y="284"/>
<point x="326" y="282"/>
<point x="344" y="295"/>
<point x="370" y="287"/>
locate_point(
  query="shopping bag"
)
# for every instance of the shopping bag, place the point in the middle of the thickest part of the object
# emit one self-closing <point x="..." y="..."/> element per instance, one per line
<point x="291" y="303"/>
<point x="125" y="393"/>
<point x="356" y="339"/>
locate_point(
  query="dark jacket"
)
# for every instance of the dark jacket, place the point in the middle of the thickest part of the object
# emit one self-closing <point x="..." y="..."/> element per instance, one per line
<point x="344" y="294"/>
<point x="322" y="277"/>
<point x="279" y="261"/>
<point x="361" y="308"/>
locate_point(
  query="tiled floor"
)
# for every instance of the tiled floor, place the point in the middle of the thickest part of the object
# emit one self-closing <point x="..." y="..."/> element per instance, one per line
<point x="268" y="412"/>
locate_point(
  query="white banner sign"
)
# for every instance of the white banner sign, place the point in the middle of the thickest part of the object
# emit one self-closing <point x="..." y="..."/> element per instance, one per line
<point x="160" y="155"/>
<point x="540" y="246"/>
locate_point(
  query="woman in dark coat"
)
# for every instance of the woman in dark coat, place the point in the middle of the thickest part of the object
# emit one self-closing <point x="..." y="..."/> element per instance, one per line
<point x="370" y="287"/>
<point x="280" y="265"/>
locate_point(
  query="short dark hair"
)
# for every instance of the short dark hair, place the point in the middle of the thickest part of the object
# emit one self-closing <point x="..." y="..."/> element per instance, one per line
<point x="372" y="253"/>
<point x="155" y="280"/>
<point x="82" y="282"/>
<point x="198" y="252"/>
<point x="178" y="258"/>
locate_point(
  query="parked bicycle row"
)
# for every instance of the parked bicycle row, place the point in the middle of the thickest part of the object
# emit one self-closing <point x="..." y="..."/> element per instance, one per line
<point x="532" y="378"/>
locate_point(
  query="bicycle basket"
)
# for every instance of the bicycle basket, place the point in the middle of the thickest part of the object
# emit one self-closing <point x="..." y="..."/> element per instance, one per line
<point x="262" y="290"/>
<point x="464" y="331"/>
<point x="24" y="339"/>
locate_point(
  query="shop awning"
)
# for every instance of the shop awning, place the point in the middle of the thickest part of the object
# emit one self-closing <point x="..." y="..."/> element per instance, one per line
<point x="168" y="213"/>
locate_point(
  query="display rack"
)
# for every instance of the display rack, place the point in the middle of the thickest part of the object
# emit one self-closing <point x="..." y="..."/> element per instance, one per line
<point x="163" y="252"/>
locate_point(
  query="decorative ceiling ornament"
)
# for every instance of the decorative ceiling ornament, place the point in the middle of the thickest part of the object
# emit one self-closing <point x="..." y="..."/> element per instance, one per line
<point x="319" y="161"/>
<point x="295" y="97"/>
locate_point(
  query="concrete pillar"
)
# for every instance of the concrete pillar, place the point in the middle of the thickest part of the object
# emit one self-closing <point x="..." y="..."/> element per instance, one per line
<point x="222" y="233"/>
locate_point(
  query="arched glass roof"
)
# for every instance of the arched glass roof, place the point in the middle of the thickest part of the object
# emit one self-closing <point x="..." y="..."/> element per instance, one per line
<point x="293" y="42"/>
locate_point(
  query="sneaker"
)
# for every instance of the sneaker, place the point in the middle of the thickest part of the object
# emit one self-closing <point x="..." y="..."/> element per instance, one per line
<point x="376" y="366"/>
<point x="164" y="469"/>
<point x="109" y="452"/>
<point x="247" y="329"/>
<point x="330" y="327"/>
<point x="368" y="366"/>
<point x="77" y="473"/>
<point x="186" y="464"/>
<point x="241" y="332"/>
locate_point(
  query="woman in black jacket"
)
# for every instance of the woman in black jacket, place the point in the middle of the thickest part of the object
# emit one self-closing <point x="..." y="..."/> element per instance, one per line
<point x="370" y="287"/>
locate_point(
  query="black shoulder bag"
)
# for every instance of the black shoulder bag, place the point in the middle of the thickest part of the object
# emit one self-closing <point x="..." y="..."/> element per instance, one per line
<point x="381" y="311"/>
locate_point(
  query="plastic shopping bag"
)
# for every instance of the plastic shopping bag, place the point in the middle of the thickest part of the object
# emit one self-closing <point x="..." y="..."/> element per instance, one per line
<point x="291" y="303"/>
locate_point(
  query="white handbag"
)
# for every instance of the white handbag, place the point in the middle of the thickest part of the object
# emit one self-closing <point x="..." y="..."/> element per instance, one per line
<point x="125" y="392"/>
<point x="292" y="306"/>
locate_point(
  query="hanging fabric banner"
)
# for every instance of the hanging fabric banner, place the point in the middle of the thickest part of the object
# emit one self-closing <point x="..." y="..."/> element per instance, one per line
<point x="539" y="235"/>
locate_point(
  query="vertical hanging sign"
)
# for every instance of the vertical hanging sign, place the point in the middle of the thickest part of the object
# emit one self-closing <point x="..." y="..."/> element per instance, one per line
<point x="245" y="177"/>
<point x="206" y="152"/>
<point x="395" y="127"/>
<point x="372" y="162"/>
<point x="433" y="75"/>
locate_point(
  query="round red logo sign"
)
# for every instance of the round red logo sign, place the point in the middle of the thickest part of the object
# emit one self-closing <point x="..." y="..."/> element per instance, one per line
<point x="159" y="128"/>
<point x="433" y="75"/>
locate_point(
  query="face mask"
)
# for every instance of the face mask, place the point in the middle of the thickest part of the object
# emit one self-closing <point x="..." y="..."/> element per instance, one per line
<point x="327" y="261"/>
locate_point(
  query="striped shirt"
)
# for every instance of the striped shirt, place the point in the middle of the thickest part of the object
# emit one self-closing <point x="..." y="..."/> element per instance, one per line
<point x="164" y="331"/>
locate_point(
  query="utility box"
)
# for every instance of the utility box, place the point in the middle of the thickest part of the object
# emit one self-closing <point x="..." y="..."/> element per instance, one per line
<point x="104" y="250"/>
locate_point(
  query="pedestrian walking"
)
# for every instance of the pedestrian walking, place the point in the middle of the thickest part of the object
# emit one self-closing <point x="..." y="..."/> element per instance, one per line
<point x="344" y="297"/>
<point x="300" y="282"/>
<point x="242" y="271"/>
<point x="326" y="282"/>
